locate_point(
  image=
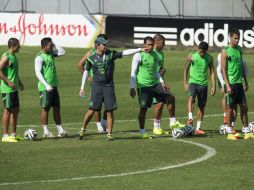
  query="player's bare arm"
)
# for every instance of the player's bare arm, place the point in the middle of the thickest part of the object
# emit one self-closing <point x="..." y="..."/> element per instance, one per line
<point x="212" y="73"/>
<point x="224" y="72"/>
<point x="83" y="61"/>
<point x="185" y="73"/>
<point x="5" y="63"/>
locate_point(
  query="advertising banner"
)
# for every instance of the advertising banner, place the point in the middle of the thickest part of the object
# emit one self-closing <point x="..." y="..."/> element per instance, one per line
<point x="178" y="32"/>
<point x="65" y="30"/>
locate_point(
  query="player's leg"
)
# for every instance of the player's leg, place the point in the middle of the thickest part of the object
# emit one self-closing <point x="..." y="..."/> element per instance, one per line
<point x="97" y="116"/>
<point x="202" y="98"/>
<point x="145" y="96"/>
<point x="192" y="92"/>
<point x="110" y="105"/>
<point x="95" y="103"/>
<point x="157" y="118"/>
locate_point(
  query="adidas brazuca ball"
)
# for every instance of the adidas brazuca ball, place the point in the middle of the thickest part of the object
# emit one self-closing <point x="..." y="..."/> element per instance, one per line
<point x="30" y="134"/>
<point x="177" y="133"/>
<point x="223" y="129"/>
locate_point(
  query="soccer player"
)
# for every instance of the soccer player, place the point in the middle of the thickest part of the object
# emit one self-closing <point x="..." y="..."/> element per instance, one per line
<point x="159" y="43"/>
<point x="45" y="71"/>
<point x="197" y="66"/>
<point x="233" y="75"/>
<point x="221" y="84"/>
<point x="102" y="89"/>
<point x="11" y="83"/>
<point x="145" y="76"/>
<point x="100" y="123"/>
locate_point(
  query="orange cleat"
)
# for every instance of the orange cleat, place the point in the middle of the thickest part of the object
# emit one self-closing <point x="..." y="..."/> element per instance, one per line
<point x="199" y="132"/>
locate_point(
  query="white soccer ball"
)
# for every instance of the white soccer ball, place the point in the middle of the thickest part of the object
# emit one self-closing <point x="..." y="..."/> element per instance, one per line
<point x="30" y="134"/>
<point x="251" y="126"/>
<point x="177" y="133"/>
<point x="223" y="129"/>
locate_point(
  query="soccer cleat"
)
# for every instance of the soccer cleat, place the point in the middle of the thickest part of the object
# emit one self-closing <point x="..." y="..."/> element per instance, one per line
<point x="8" y="139"/>
<point x="17" y="137"/>
<point x="248" y="136"/>
<point x="199" y="132"/>
<point x="62" y="134"/>
<point x="145" y="136"/>
<point x="231" y="137"/>
<point x="176" y="124"/>
<point x="81" y="133"/>
<point x="109" y="137"/>
<point x="158" y="131"/>
<point x="48" y="135"/>
<point x="190" y="122"/>
<point x="238" y="135"/>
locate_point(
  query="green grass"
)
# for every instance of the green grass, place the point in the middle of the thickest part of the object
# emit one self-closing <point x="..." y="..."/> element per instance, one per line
<point x="66" y="158"/>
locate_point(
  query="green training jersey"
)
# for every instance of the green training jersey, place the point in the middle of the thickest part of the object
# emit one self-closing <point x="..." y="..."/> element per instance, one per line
<point x="48" y="71"/>
<point x="11" y="72"/>
<point x="147" y="70"/>
<point x="160" y="55"/>
<point x="234" y="65"/>
<point x="199" y="67"/>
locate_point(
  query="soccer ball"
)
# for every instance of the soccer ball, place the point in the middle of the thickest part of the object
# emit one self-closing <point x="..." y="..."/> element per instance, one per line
<point x="223" y="129"/>
<point x="251" y="126"/>
<point x="177" y="133"/>
<point x="30" y="134"/>
<point x="188" y="130"/>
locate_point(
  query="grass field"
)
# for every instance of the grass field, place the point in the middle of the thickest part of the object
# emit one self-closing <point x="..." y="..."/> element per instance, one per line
<point x="128" y="162"/>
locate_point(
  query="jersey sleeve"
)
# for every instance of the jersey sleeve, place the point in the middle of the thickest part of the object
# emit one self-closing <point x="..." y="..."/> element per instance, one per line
<point x="88" y="65"/>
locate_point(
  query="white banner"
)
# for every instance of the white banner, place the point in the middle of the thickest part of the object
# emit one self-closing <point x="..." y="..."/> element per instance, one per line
<point x="65" y="30"/>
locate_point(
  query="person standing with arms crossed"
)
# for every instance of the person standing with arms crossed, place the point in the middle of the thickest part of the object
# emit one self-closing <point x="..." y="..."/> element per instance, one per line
<point x="10" y="84"/>
<point x="198" y="63"/>
<point x="45" y="71"/>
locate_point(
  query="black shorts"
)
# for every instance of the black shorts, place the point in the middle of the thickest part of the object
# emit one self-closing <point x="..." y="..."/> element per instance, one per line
<point x="200" y="91"/>
<point x="49" y="98"/>
<point x="102" y="94"/>
<point x="146" y="95"/>
<point x="10" y="100"/>
<point x="237" y="96"/>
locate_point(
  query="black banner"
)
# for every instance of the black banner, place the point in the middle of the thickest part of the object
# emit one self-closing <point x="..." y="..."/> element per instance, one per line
<point x="126" y="31"/>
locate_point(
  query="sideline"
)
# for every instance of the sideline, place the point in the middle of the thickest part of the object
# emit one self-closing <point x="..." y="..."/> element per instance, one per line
<point x="210" y="152"/>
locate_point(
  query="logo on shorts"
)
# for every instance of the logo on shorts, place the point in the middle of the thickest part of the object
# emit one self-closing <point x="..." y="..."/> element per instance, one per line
<point x="90" y="103"/>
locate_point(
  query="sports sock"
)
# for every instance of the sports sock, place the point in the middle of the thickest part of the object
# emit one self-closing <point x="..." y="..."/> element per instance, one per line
<point x="99" y="126"/>
<point x="59" y="128"/>
<point x="45" y="129"/>
<point x="198" y="125"/>
<point x="172" y="119"/>
<point x="190" y="115"/>
<point x="14" y="134"/>
<point x="156" y="123"/>
<point x="142" y="131"/>
<point x="5" y="135"/>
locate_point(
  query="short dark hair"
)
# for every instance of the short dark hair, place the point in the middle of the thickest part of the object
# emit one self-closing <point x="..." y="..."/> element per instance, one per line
<point x="203" y="46"/>
<point x="45" y="42"/>
<point x="12" y="42"/>
<point x="234" y="31"/>
<point x="158" y="37"/>
<point x="148" y="38"/>
<point x="103" y="36"/>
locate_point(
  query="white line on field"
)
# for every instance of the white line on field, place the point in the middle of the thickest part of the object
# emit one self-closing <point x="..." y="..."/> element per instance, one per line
<point x="210" y="152"/>
<point x="126" y="120"/>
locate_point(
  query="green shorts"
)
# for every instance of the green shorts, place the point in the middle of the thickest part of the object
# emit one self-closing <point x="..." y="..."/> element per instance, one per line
<point x="10" y="100"/>
<point x="49" y="98"/>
